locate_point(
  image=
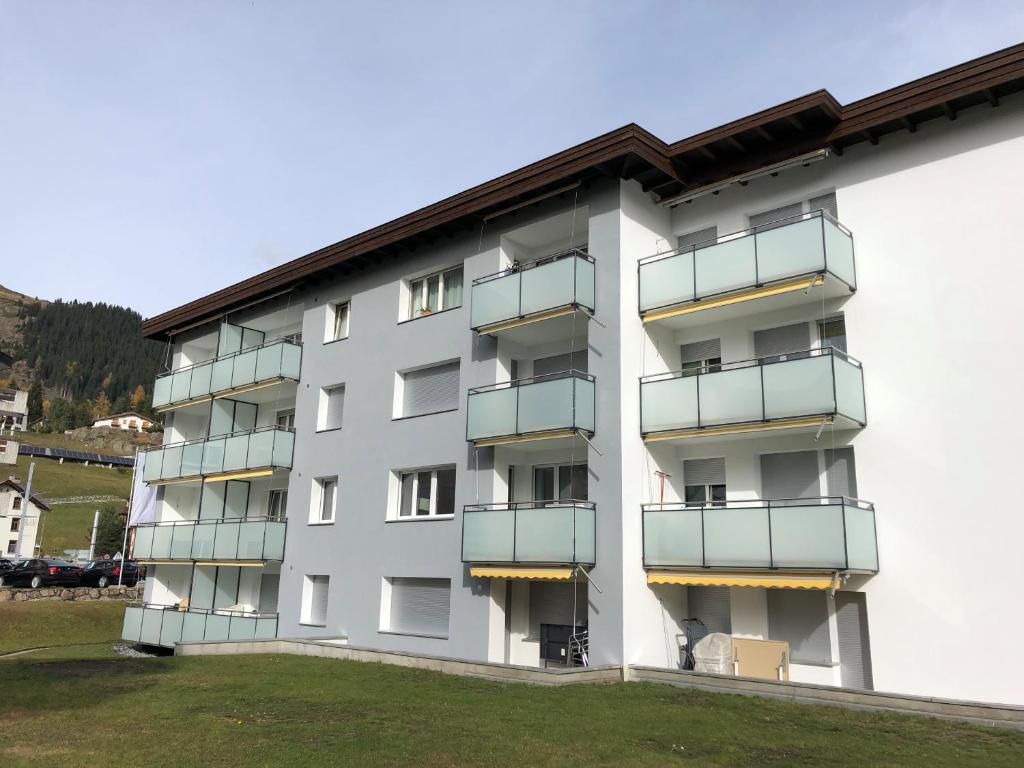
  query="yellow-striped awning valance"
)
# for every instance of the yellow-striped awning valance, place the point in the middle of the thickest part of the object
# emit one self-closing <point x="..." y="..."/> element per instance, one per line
<point x="767" y="580"/>
<point x="536" y="574"/>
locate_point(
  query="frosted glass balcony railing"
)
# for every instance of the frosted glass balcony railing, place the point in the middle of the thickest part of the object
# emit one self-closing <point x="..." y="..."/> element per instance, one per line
<point x="551" y="532"/>
<point x="550" y="403"/>
<point x="554" y="282"/>
<point x="244" y="538"/>
<point x="264" y="448"/>
<point x="279" y="360"/>
<point x="831" y="533"/>
<point x="808" y="244"/>
<point x="166" y="625"/>
<point x="817" y="382"/>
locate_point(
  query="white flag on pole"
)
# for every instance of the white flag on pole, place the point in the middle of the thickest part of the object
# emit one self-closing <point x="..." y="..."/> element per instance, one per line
<point x="143" y="509"/>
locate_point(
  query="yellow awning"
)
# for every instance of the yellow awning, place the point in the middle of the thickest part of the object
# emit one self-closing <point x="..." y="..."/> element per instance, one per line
<point x="537" y="574"/>
<point x="745" y="579"/>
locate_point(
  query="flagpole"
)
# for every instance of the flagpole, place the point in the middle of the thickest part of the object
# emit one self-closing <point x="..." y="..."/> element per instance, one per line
<point x="128" y="519"/>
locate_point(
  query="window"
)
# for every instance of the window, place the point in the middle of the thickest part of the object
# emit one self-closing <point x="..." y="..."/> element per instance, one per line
<point x="325" y="499"/>
<point x="430" y="390"/>
<point x="427" y="493"/>
<point x="435" y="293"/>
<point x="705" y="481"/>
<point x="801" y="619"/>
<point x="776" y="216"/>
<point x="792" y="475"/>
<point x="332" y="407"/>
<point x="419" y="606"/>
<point x="783" y="343"/>
<point x="701" y="357"/>
<point x="11" y="546"/>
<point x="16" y="505"/>
<point x="337" y="321"/>
<point x="315" y="590"/>
<point x="560" y="482"/>
<point x="286" y="419"/>
<point x="277" y="504"/>
<point x="701" y="237"/>
<point x="832" y="333"/>
<point x="15" y="525"/>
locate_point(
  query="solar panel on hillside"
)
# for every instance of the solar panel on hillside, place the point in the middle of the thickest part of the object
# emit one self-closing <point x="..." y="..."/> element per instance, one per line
<point x="64" y="453"/>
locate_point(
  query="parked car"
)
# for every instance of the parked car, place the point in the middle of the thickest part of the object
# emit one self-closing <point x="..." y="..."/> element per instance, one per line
<point x="41" y="573"/>
<point x="103" y="573"/>
<point x="5" y="564"/>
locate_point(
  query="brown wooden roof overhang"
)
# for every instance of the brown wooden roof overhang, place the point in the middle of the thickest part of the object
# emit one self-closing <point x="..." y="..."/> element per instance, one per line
<point x="773" y="135"/>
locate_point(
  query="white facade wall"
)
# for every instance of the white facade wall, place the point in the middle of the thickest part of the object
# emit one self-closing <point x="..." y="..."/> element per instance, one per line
<point x="933" y="222"/>
<point x="11" y="517"/>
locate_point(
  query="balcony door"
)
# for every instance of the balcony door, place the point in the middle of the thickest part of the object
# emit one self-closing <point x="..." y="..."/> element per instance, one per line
<point x="793" y="475"/>
<point x="560" y="482"/>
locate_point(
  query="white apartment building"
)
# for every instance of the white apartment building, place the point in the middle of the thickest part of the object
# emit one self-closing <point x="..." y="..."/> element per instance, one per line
<point x="556" y="417"/>
<point x="13" y="518"/>
<point x="13" y="410"/>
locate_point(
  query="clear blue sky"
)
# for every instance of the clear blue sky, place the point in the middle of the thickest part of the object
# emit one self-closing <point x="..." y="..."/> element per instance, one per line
<point x="152" y="152"/>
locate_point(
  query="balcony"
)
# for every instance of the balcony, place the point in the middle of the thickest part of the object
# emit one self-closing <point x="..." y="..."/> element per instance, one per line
<point x="831" y="533"/>
<point x="553" y="287"/>
<point x="166" y="625"/>
<point x="241" y="539"/>
<point x="239" y="455"/>
<point x="535" y="532"/>
<point x="797" y="391"/>
<point x="778" y="264"/>
<point x="235" y="373"/>
<point x="556" y="405"/>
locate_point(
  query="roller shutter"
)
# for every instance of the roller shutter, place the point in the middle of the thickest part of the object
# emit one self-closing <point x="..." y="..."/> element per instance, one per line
<point x="712" y="606"/>
<point x="420" y="606"/>
<point x="704" y="471"/>
<point x="700" y="237"/>
<point x="700" y="350"/>
<point x="854" y="644"/>
<point x="551" y="603"/>
<point x="785" y="340"/>
<point x="790" y="475"/>
<point x="800" y="617"/>
<point x="430" y="390"/>
<point x="841" y="472"/>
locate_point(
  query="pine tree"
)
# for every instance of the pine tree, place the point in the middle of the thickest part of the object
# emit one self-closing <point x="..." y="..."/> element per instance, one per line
<point x="100" y="406"/>
<point x="138" y="398"/>
<point x="35" y="400"/>
<point x="109" y="532"/>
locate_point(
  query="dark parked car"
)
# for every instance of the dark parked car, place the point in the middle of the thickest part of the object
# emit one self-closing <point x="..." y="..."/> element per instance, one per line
<point x="5" y="564"/>
<point x="103" y="573"/>
<point x="41" y="573"/>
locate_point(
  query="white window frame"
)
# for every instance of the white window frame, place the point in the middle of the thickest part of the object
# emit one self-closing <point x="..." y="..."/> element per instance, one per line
<point x="318" y="497"/>
<point x="417" y="293"/>
<point x="322" y="406"/>
<point x="280" y="494"/>
<point x="307" y="599"/>
<point x="285" y="418"/>
<point x="340" y="310"/>
<point x="557" y="467"/>
<point x="396" y="506"/>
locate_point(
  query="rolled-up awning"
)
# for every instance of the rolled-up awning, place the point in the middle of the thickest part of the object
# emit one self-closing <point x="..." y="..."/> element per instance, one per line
<point x="767" y="580"/>
<point x="536" y="574"/>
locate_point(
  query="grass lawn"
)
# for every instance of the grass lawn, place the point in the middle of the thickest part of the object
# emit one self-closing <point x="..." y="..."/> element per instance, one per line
<point x="67" y="526"/>
<point x="38" y="623"/>
<point x="296" y="711"/>
<point x="55" y="480"/>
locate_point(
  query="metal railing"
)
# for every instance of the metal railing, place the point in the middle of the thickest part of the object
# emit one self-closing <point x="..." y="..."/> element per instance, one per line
<point x="559" y="532"/>
<point x="278" y="360"/>
<point x="554" y="401"/>
<point x="796" y="246"/>
<point x="829" y="532"/>
<point x="564" y="279"/>
<point x="164" y="625"/>
<point x="244" y="538"/>
<point x="262" y="448"/>
<point x="809" y="383"/>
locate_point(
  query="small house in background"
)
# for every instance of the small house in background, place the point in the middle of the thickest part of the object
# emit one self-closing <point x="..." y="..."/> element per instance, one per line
<point x="8" y="451"/>
<point x="12" y="497"/>
<point x="13" y="410"/>
<point x="129" y="421"/>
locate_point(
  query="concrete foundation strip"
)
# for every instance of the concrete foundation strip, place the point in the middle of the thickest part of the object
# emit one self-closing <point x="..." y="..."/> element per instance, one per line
<point x="978" y="713"/>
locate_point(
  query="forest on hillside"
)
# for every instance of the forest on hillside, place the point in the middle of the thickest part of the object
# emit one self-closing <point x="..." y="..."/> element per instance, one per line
<point x="87" y="360"/>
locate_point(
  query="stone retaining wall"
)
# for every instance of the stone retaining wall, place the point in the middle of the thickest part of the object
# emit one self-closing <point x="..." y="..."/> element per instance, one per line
<point x="19" y="594"/>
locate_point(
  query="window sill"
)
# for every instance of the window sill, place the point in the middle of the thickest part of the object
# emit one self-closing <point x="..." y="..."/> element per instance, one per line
<point x="332" y="429"/>
<point x="430" y="314"/>
<point x="822" y="664"/>
<point x="419" y="518"/>
<point x="411" y="634"/>
<point x="335" y="341"/>
<point x="307" y="624"/>
<point x="420" y="415"/>
<point x="321" y="522"/>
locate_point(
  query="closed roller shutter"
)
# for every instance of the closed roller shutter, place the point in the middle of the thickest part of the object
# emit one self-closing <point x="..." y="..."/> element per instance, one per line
<point x="841" y="472"/>
<point x="854" y="644"/>
<point x="420" y="606"/>
<point x="558" y="363"/>
<point x="712" y="606"/>
<point x="704" y="471"/>
<point x="269" y="589"/>
<point x="335" y="407"/>
<point x="700" y="350"/>
<point x="319" y="590"/>
<point x="700" y="237"/>
<point x="827" y="203"/>
<point x="551" y="603"/>
<point x="782" y="341"/>
<point x="801" y="619"/>
<point x="790" y="475"/>
<point x="761" y="220"/>
<point x="430" y="390"/>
